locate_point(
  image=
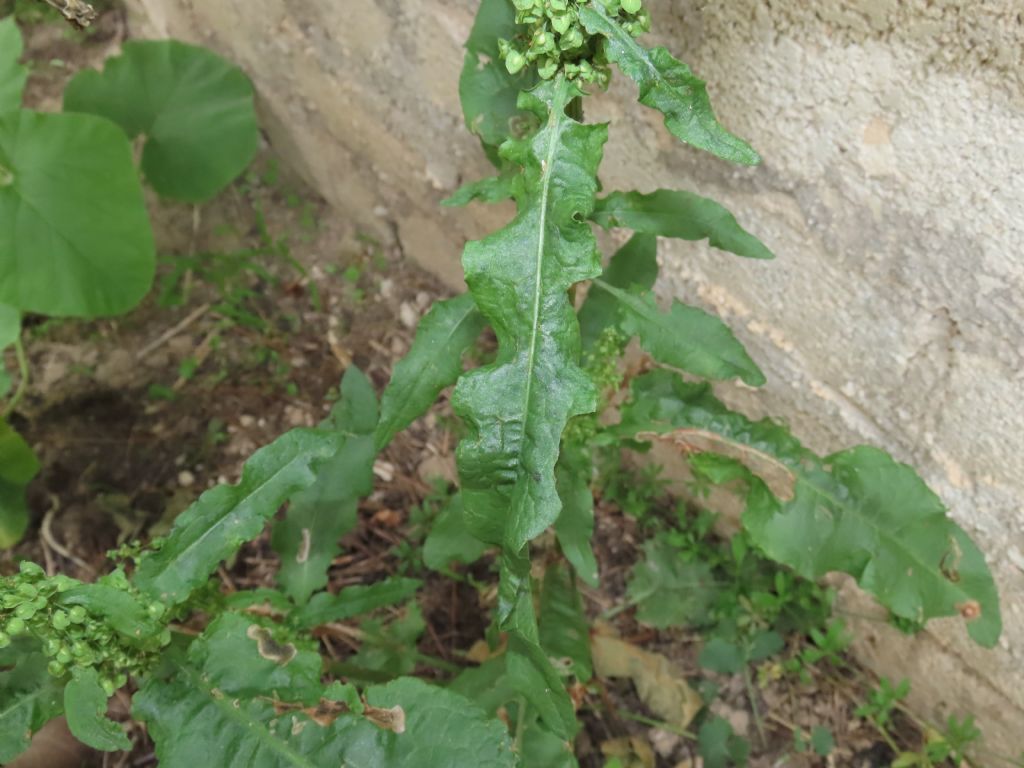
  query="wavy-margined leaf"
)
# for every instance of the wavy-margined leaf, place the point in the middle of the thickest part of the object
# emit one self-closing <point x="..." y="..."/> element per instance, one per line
<point x="488" y="92"/>
<point x="75" y="238"/>
<point x="85" y="707"/>
<point x="434" y="362"/>
<point x="355" y="601"/>
<point x="517" y="407"/>
<point x="669" y="86"/>
<point x="407" y="723"/>
<point x="29" y="697"/>
<point x="13" y="75"/>
<point x="686" y="338"/>
<point x="683" y="215"/>
<point x="857" y="511"/>
<point x="227" y="516"/>
<point x="307" y="536"/>
<point x="194" y="108"/>
<point x="564" y="628"/>
<point x="634" y="265"/>
<point x="18" y="465"/>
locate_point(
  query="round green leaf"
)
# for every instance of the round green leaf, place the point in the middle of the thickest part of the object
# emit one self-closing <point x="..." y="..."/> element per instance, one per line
<point x="10" y="327"/>
<point x="12" y="74"/>
<point x="75" y="238"/>
<point x="194" y="108"/>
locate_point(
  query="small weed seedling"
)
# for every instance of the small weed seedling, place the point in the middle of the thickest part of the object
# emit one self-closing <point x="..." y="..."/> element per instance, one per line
<point x="243" y="674"/>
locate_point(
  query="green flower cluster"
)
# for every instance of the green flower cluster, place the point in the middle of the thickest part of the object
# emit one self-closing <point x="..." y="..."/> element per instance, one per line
<point x="556" y="40"/>
<point x="71" y="636"/>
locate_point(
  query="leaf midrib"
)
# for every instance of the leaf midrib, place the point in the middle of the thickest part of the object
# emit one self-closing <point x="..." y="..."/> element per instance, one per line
<point x="219" y="523"/>
<point x="555" y="124"/>
<point x="881" y="533"/>
<point x="434" y="366"/>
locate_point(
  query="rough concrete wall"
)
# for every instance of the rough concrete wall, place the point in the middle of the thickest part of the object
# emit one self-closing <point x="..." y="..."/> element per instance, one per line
<point x="893" y="137"/>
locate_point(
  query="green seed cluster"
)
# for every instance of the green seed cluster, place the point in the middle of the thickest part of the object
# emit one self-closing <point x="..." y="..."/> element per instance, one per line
<point x="70" y="635"/>
<point x="557" y="41"/>
<point x="602" y="366"/>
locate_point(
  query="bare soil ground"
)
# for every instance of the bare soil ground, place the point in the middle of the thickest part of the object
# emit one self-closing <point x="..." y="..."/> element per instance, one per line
<point x="134" y="417"/>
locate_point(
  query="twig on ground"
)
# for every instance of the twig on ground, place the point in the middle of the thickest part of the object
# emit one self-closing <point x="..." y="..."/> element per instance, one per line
<point x="46" y="534"/>
<point x="169" y="334"/>
<point x="79" y="13"/>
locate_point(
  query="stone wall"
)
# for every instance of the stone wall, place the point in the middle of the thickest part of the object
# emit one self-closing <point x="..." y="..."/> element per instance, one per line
<point x="892" y="191"/>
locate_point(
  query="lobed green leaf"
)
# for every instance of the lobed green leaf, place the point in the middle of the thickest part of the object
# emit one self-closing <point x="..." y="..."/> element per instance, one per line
<point x="669" y="86"/>
<point x="683" y="215"/>
<point x="434" y="362"/>
<point x="225" y="517"/>
<point x="516" y="408"/>
<point x="686" y="338"/>
<point x="194" y="108"/>
<point x="307" y="536"/>
<point x="75" y="238"/>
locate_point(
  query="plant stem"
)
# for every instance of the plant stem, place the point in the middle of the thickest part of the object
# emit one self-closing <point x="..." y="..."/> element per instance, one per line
<point x="754" y="707"/>
<point x="19" y="351"/>
<point x="439" y="663"/>
<point x="660" y="724"/>
<point x="517" y="745"/>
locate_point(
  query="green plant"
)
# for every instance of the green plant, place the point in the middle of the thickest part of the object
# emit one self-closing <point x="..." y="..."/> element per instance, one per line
<point x="252" y="681"/>
<point x="882" y="701"/>
<point x="75" y="236"/>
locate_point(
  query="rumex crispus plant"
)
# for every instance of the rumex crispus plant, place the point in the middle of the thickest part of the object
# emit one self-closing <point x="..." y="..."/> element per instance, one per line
<point x="251" y="688"/>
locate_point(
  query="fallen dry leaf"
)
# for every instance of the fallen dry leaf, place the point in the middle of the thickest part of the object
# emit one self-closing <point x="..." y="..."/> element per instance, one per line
<point x="632" y="751"/>
<point x="777" y="476"/>
<point x="658" y="683"/>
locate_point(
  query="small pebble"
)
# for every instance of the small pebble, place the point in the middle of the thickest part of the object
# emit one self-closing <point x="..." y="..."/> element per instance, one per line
<point x="186" y="479"/>
<point x="384" y="470"/>
<point x="408" y="315"/>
